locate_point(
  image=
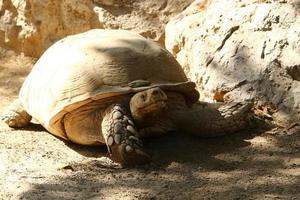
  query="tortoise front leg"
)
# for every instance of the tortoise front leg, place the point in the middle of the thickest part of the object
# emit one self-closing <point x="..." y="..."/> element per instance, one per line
<point x="16" y="116"/>
<point x="210" y="120"/>
<point x="121" y="136"/>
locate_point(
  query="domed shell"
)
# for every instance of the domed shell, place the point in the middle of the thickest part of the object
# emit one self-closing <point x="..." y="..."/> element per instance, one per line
<point x="94" y="65"/>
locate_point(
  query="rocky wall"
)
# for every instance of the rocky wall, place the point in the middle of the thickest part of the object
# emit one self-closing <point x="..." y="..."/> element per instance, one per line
<point x="241" y="49"/>
<point x="31" y="26"/>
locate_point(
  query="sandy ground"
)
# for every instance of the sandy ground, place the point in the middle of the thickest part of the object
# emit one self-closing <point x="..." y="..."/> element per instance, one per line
<point x="253" y="164"/>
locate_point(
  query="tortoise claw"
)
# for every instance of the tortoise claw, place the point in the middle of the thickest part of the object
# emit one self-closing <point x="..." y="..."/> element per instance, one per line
<point x="129" y="156"/>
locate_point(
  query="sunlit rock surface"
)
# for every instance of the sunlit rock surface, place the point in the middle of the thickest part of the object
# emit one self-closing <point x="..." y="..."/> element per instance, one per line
<point x="242" y="50"/>
<point x="31" y="26"/>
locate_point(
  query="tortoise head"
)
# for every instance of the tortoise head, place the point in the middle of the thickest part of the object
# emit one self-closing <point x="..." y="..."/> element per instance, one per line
<point x="146" y="105"/>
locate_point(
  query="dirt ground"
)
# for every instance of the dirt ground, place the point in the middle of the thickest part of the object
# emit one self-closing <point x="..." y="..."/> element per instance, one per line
<point x="253" y="164"/>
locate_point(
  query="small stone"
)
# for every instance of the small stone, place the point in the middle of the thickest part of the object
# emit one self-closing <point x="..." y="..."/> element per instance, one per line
<point x="128" y="148"/>
<point x="110" y="140"/>
<point x="117" y="115"/>
<point x="117" y="138"/>
<point x="131" y="129"/>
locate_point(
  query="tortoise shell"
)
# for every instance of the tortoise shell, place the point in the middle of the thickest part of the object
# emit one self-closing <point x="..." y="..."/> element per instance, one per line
<point x="96" y="65"/>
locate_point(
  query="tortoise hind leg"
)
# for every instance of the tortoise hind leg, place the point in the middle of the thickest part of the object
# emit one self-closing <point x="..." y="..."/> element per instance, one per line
<point x="16" y="116"/>
<point x="213" y="120"/>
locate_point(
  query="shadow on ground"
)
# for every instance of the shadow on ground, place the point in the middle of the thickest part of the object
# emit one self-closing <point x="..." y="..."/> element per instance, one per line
<point x="183" y="167"/>
<point x="246" y="165"/>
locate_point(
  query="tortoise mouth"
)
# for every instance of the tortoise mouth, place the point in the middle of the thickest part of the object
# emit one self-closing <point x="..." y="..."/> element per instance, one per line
<point x="155" y="107"/>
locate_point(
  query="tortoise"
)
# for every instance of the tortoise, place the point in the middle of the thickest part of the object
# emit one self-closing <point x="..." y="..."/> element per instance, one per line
<point x="115" y="87"/>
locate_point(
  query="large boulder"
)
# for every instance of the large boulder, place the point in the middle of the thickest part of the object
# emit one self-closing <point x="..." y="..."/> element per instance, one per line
<point x="31" y="26"/>
<point x="242" y="50"/>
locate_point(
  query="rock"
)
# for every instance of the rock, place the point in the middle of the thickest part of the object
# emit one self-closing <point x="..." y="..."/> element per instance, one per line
<point x="241" y="50"/>
<point x="31" y="26"/>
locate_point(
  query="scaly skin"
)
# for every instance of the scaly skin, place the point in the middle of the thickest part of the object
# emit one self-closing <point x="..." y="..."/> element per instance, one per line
<point x="202" y="119"/>
<point x="213" y="120"/>
<point x="121" y="136"/>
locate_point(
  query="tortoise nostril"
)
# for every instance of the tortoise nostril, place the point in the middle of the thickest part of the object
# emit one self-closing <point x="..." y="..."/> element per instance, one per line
<point x="155" y="92"/>
<point x="143" y="97"/>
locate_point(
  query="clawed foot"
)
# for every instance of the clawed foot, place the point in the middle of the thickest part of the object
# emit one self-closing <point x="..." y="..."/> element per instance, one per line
<point x="236" y="109"/>
<point x="15" y="119"/>
<point x="16" y="116"/>
<point x="129" y="154"/>
<point x="235" y="116"/>
<point x="122" y="139"/>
